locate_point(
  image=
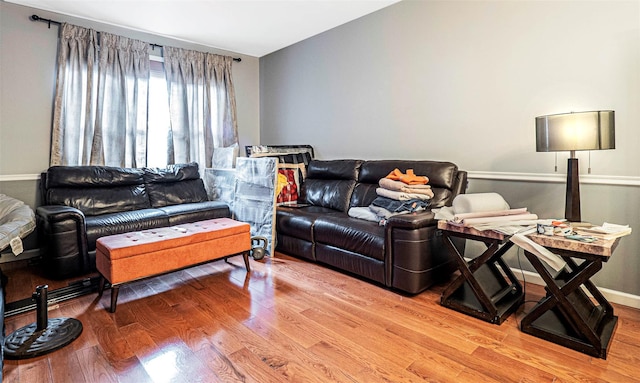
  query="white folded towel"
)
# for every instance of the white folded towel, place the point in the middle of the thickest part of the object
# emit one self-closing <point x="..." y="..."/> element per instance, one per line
<point x="399" y="185"/>
<point x="401" y="196"/>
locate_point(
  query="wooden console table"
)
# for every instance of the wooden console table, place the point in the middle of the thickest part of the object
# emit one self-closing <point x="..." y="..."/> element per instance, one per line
<point x="486" y="287"/>
<point x="567" y="315"/>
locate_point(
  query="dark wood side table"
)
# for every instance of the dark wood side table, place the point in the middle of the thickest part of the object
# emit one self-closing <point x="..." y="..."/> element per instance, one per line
<point x="486" y="287"/>
<point x="567" y="315"/>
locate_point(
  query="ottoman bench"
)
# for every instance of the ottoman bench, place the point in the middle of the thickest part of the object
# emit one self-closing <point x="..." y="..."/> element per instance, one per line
<point x="127" y="257"/>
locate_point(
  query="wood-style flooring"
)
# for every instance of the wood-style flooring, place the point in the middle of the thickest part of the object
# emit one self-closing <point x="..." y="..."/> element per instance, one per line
<point x="294" y="321"/>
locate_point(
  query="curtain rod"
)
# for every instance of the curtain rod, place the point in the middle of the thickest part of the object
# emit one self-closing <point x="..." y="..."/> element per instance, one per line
<point x="49" y="21"/>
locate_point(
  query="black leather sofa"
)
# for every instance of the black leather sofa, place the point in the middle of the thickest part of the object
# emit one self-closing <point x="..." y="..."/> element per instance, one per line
<point x="3" y="296"/>
<point x="407" y="254"/>
<point x="84" y="203"/>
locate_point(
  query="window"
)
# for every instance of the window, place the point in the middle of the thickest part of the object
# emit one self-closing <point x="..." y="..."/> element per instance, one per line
<point x="158" y="120"/>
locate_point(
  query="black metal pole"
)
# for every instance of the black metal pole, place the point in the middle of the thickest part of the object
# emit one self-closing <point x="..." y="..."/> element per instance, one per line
<point x="40" y="296"/>
<point x="49" y="21"/>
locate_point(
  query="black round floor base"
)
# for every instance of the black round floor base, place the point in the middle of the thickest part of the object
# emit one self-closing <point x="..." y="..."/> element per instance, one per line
<point x="26" y="342"/>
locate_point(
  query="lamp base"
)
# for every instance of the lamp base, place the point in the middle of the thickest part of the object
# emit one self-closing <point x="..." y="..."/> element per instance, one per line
<point x="572" y="203"/>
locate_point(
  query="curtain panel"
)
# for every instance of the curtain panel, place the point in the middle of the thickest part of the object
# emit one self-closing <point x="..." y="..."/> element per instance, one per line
<point x="100" y="106"/>
<point x="120" y="135"/>
<point x="201" y="103"/>
<point x="75" y="94"/>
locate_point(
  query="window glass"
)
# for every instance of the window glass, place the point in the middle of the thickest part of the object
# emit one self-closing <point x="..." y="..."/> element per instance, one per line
<point x="159" y="120"/>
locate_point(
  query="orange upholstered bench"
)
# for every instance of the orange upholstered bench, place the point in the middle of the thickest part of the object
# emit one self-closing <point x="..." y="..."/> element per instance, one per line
<point x="123" y="258"/>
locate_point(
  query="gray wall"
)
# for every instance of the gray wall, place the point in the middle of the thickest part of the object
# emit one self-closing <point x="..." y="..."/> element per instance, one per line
<point x="463" y="81"/>
<point x="27" y="83"/>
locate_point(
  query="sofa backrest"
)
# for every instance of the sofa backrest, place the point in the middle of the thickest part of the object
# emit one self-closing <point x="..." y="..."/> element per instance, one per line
<point x="443" y="178"/>
<point x="330" y="183"/>
<point x="95" y="190"/>
<point x="174" y="185"/>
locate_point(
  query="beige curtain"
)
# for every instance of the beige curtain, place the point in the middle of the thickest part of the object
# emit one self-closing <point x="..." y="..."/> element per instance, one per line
<point x="201" y="103"/>
<point x="100" y="107"/>
<point x="76" y="92"/>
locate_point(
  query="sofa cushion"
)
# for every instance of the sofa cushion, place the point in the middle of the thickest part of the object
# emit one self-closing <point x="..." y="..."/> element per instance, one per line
<point x="92" y="176"/>
<point x="96" y="190"/>
<point x="334" y="169"/>
<point x="123" y="222"/>
<point x="180" y="183"/>
<point x="98" y="200"/>
<point x="330" y="183"/>
<point x="298" y="222"/>
<point x="351" y="234"/>
<point x="192" y="212"/>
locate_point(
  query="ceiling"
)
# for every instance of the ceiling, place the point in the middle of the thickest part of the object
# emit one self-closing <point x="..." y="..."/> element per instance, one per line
<point x="250" y="27"/>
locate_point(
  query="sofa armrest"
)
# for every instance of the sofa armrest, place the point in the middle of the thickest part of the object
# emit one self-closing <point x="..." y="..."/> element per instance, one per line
<point x="460" y="186"/>
<point x="63" y="240"/>
<point x="57" y="213"/>
<point x="412" y="220"/>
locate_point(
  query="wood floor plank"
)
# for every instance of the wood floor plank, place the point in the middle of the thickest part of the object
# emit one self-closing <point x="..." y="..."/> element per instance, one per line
<point x="568" y="370"/>
<point x="220" y="365"/>
<point x="509" y="370"/>
<point x="259" y="341"/>
<point x="436" y="368"/>
<point x="37" y="370"/>
<point x="288" y="319"/>
<point x="363" y="364"/>
<point x="165" y="358"/>
<point x="254" y="368"/>
<point x="469" y="375"/>
<point x="94" y="366"/>
<point x="11" y="373"/>
<point x="432" y="339"/>
<point x="66" y="363"/>
<point x="313" y="368"/>
<point x="294" y="321"/>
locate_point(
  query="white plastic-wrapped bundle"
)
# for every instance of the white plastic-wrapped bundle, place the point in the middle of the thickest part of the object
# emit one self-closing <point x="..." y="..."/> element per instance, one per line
<point x="16" y="222"/>
<point x="249" y="190"/>
<point x="479" y="202"/>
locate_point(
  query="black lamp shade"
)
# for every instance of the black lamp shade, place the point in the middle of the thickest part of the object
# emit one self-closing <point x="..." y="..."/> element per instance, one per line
<point x="576" y="131"/>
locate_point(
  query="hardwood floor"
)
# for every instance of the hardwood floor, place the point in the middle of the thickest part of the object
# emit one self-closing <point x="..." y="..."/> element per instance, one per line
<point x="294" y="321"/>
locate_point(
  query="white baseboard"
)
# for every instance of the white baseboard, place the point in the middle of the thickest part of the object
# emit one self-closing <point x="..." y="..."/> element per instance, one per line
<point x="612" y="296"/>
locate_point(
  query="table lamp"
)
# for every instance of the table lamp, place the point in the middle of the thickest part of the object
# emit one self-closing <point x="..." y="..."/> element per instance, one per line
<point x="575" y="131"/>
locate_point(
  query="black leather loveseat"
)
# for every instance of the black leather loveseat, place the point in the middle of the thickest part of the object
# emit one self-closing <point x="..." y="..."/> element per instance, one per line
<point x="406" y="254"/>
<point x="84" y="203"/>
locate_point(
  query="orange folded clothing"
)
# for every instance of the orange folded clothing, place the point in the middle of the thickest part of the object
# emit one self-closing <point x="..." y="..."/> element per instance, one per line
<point x="410" y="178"/>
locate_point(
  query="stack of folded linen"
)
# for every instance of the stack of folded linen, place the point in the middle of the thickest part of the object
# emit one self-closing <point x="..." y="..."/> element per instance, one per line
<point x="497" y="217"/>
<point x="399" y="193"/>
<point x="487" y="211"/>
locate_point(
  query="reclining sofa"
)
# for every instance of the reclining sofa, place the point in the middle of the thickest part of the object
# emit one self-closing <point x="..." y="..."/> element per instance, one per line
<point x="406" y="254"/>
<point x="83" y="203"/>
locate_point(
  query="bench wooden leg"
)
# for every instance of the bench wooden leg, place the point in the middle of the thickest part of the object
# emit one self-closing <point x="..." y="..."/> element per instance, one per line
<point x="114" y="298"/>
<point x="245" y="255"/>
